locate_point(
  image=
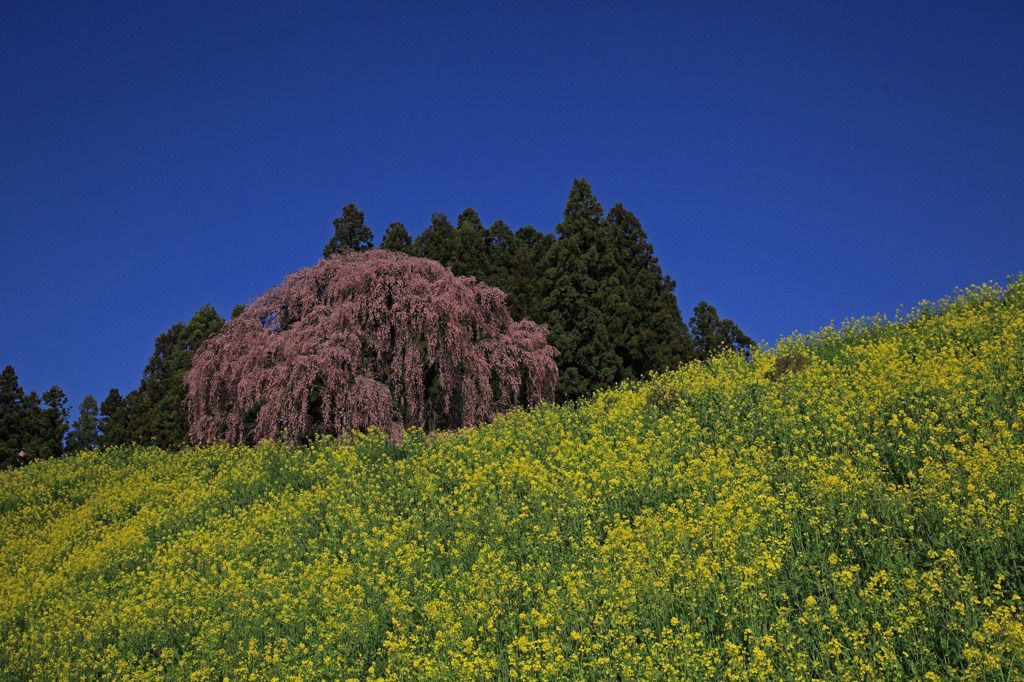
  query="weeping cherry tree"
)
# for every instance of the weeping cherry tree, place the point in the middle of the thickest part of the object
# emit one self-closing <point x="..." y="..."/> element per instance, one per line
<point x="373" y="338"/>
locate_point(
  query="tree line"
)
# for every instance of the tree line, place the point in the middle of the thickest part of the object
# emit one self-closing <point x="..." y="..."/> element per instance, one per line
<point x="153" y="413"/>
<point x="30" y="422"/>
<point x="594" y="281"/>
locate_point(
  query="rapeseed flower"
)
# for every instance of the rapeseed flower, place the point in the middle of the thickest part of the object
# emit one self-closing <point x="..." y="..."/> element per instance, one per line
<point x="858" y="517"/>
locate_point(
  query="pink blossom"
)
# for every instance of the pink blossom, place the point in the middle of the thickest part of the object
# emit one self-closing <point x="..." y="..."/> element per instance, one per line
<point x="373" y="338"/>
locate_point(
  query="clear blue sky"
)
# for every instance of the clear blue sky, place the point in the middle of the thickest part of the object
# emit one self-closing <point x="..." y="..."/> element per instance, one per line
<point x="791" y="162"/>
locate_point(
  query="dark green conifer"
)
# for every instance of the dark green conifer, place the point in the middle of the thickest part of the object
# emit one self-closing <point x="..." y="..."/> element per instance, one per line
<point x="646" y="326"/>
<point x="498" y="244"/>
<point x="114" y="420"/>
<point x="53" y="421"/>
<point x="526" y="284"/>
<point x="469" y="255"/>
<point x="397" y="238"/>
<point x="32" y="423"/>
<point x="350" y="234"/>
<point x="712" y="335"/>
<point x="436" y="241"/>
<point x="579" y="265"/>
<point x="26" y="425"/>
<point x="85" y="433"/>
<point x="12" y="416"/>
<point x="157" y="408"/>
<point x="148" y="423"/>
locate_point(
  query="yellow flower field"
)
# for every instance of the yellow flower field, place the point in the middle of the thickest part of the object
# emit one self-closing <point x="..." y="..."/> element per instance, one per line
<point x="854" y="517"/>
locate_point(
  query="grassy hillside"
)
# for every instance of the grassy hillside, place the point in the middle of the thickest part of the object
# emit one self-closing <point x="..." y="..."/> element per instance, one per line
<point x="855" y="518"/>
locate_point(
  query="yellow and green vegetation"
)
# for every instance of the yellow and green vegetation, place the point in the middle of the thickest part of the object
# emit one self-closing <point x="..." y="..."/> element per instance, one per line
<point x="846" y="505"/>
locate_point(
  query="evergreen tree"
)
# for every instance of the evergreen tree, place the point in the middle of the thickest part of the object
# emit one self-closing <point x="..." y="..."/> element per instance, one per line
<point x="32" y="424"/>
<point x="237" y="310"/>
<point x="84" y="434"/>
<point x="579" y="266"/>
<point x="350" y="234"/>
<point x="646" y="326"/>
<point x="396" y="238"/>
<point x="468" y="255"/>
<point x="114" y="420"/>
<point x="712" y="335"/>
<point x="527" y="285"/>
<point x="26" y="425"/>
<point x="436" y="241"/>
<point x="53" y="424"/>
<point x="157" y="409"/>
<point x="12" y="416"/>
<point x="205" y="323"/>
<point x="499" y="240"/>
<point x="146" y="421"/>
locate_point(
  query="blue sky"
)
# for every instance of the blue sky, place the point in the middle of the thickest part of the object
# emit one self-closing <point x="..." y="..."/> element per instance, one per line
<point x="792" y="163"/>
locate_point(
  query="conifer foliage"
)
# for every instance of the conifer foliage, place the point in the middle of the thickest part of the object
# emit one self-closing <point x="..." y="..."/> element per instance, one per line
<point x="595" y="282"/>
<point x="580" y="265"/>
<point x="26" y="425"/>
<point x="155" y="412"/>
<point x="713" y="335"/>
<point x="85" y="434"/>
<point x="373" y="338"/>
<point x="349" y="232"/>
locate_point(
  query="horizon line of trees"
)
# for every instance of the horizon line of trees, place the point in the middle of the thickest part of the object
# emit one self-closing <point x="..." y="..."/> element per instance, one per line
<point x="594" y="281"/>
<point x="29" y="422"/>
<point x="154" y="413"/>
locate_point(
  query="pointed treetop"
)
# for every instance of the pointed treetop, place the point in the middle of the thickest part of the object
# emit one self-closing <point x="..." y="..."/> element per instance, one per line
<point x="630" y="238"/>
<point x="435" y="242"/>
<point x="397" y="238"/>
<point x="582" y="204"/>
<point x="350" y="234"/>
<point x="501" y="235"/>
<point x="204" y="324"/>
<point x="469" y="219"/>
<point x="9" y="383"/>
<point x="84" y="434"/>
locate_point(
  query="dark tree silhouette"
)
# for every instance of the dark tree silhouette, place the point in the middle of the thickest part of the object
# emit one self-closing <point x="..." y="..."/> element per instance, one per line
<point x="114" y="419"/>
<point x="469" y="252"/>
<point x="349" y="232"/>
<point x="436" y="242"/>
<point x="397" y="238"/>
<point x="374" y="338"/>
<point x="84" y="434"/>
<point x="13" y="415"/>
<point x="647" y="329"/>
<point x="26" y="424"/>
<point x="50" y="425"/>
<point x="156" y="409"/>
<point x="712" y="334"/>
<point x="579" y="267"/>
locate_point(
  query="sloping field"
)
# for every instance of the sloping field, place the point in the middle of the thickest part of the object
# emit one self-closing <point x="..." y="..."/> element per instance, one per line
<point x="857" y="516"/>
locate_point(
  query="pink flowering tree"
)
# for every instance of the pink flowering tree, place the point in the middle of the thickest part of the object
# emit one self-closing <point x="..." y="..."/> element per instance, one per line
<point x="373" y="338"/>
